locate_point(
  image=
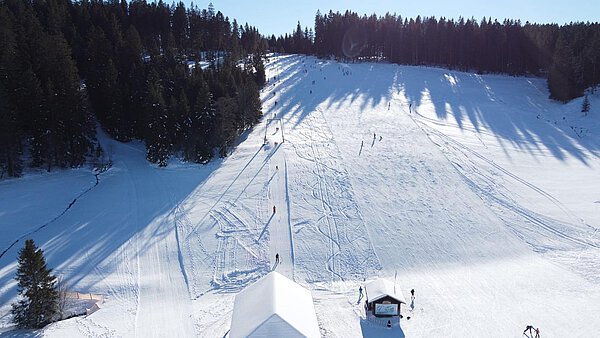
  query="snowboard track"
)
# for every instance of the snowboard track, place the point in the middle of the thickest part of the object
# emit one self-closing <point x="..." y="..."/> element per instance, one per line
<point x="493" y="195"/>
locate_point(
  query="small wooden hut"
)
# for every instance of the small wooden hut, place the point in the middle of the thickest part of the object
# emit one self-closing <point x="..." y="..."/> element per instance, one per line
<point x="384" y="298"/>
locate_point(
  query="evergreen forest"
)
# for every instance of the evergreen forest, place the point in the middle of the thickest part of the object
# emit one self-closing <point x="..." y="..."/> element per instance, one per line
<point x="186" y="81"/>
<point x="181" y="80"/>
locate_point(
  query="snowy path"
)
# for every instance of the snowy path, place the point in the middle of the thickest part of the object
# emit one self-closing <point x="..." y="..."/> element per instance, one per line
<point x="149" y="260"/>
<point x="280" y="235"/>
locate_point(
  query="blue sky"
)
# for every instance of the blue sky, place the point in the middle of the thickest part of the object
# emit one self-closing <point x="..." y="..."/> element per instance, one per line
<point x="279" y="17"/>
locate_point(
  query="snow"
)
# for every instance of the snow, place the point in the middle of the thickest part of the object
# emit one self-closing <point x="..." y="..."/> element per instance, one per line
<point x="274" y="306"/>
<point x="380" y="288"/>
<point x="477" y="190"/>
<point x="191" y="64"/>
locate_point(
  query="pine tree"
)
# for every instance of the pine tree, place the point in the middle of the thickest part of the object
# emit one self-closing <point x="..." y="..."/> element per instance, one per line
<point x="249" y="105"/>
<point x="585" y="106"/>
<point x="259" y="68"/>
<point x="562" y="76"/>
<point x="10" y="129"/>
<point x="202" y="122"/>
<point x="37" y="287"/>
<point x="157" y="138"/>
<point x="10" y="142"/>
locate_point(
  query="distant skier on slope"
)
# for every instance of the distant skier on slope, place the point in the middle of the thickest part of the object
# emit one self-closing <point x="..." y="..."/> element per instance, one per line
<point x="274" y="209"/>
<point x="412" y="294"/>
<point x="277" y="258"/>
<point x="537" y="332"/>
<point x="360" y="292"/>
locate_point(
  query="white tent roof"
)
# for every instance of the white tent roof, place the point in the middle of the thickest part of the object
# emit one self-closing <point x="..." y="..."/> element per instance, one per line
<point x="274" y="306"/>
<point x="380" y="288"/>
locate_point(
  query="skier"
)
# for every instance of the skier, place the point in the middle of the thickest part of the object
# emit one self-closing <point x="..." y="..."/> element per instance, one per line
<point x="409" y="107"/>
<point x="374" y="136"/>
<point x="412" y="294"/>
<point x="274" y="209"/>
<point x="277" y="258"/>
<point x="537" y="332"/>
<point x="528" y="328"/>
<point x="276" y="167"/>
<point x="360" y="292"/>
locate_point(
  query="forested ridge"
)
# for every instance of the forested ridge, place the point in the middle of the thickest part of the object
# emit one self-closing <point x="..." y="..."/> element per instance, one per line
<point x="130" y="66"/>
<point x="568" y="55"/>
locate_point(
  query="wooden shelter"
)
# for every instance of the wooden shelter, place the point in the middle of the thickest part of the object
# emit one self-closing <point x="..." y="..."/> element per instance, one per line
<point x="384" y="298"/>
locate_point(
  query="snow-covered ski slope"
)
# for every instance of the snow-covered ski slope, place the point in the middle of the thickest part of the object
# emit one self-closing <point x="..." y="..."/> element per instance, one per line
<point x="475" y="190"/>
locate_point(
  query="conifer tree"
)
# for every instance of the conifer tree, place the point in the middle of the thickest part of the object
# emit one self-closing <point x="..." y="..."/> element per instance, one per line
<point x="585" y="106"/>
<point x="562" y="75"/>
<point x="202" y="124"/>
<point x="37" y="289"/>
<point x="259" y="69"/>
<point x="10" y="143"/>
<point x="249" y="105"/>
<point x="158" y="144"/>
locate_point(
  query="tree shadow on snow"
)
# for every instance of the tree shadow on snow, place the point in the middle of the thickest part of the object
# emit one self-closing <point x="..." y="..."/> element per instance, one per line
<point x="22" y="334"/>
<point x="511" y="109"/>
<point x="328" y="83"/>
<point x="101" y="232"/>
<point x="507" y="108"/>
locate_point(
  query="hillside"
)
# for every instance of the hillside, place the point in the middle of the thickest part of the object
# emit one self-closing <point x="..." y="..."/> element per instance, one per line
<point x="477" y="190"/>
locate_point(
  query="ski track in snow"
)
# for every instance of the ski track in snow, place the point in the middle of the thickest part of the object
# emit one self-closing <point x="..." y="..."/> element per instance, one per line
<point x="339" y="217"/>
<point x="467" y="168"/>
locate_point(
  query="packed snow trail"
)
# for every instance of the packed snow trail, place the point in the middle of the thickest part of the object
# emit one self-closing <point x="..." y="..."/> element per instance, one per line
<point x="151" y="256"/>
<point x="280" y="234"/>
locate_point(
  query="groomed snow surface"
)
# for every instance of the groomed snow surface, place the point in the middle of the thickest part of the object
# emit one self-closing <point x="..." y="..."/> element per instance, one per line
<point x="477" y="190"/>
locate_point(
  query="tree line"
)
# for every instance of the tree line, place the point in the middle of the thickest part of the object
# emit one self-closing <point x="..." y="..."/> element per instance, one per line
<point x="183" y="80"/>
<point x="568" y="55"/>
